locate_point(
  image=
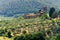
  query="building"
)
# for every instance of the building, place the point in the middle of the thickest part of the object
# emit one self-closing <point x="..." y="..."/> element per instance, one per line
<point x="38" y="14"/>
<point x="28" y="16"/>
<point x="32" y="15"/>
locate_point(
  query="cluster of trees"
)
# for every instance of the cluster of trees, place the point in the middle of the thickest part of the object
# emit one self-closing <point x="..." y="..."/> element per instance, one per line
<point x="53" y="13"/>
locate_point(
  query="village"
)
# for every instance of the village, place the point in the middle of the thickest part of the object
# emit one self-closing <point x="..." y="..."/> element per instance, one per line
<point x="37" y="14"/>
<point x="55" y="14"/>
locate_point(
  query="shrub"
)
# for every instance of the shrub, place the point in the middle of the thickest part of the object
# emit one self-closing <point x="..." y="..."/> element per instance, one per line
<point x="20" y="18"/>
<point x="43" y="17"/>
<point x="2" y="32"/>
<point x="34" y="36"/>
<point x="19" y="38"/>
<point x="24" y="32"/>
<point x="58" y="37"/>
<point x="9" y="34"/>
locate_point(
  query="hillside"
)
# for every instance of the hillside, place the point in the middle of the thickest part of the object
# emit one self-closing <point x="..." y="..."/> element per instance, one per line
<point x="13" y="7"/>
<point x="22" y="26"/>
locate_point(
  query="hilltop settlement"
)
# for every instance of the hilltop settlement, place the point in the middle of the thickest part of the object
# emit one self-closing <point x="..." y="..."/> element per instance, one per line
<point x="36" y="14"/>
<point x="52" y="13"/>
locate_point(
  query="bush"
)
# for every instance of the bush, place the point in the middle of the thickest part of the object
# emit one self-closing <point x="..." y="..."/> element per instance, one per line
<point x="2" y="32"/>
<point x="58" y="37"/>
<point x="34" y="36"/>
<point x="19" y="38"/>
<point x="43" y="17"/>
<point x="20" y="18"/>
<point x="24" y="32"/>
<point x="9" y="34"/>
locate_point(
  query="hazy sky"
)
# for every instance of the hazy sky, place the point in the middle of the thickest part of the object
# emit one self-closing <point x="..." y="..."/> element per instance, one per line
<point x="53" y="2"/>
<point x="50" y="1"/>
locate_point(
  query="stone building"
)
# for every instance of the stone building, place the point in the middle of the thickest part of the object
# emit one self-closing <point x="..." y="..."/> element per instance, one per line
<point x="29" y="16"/>
<point x="37" y="14"/>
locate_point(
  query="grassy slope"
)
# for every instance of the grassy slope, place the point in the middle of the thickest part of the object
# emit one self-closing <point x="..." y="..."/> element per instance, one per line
<point x="23" y="21"/>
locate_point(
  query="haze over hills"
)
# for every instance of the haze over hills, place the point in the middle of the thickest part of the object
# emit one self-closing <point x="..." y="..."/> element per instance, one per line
<point x="13" y="7"/>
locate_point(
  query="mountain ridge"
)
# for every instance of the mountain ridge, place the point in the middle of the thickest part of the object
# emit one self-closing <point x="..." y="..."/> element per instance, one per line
<point x="13" y="7"/>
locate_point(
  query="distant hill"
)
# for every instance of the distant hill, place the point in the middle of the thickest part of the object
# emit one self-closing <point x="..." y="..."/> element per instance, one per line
<point x="13" y="7"/>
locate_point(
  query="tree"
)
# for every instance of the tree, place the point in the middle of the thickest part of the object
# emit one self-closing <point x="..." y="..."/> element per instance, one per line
<point x="52" y="10"/>
<point x="54" y="15"/>
<point x="9" y="34"/>
<point x="44" y="16"/>
<point x="39" y="11"/>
